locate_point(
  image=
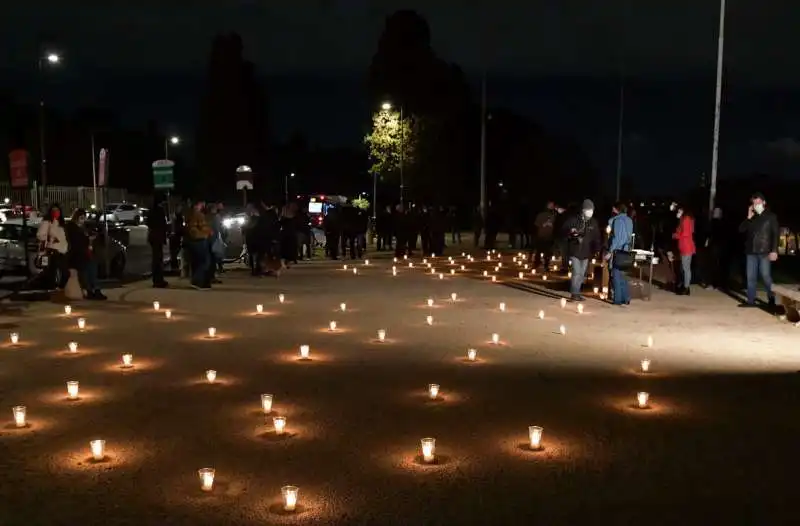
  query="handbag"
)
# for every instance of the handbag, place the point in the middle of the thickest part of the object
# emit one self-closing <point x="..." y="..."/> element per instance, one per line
<point x="42" y="259"/>
<point x="622" y="259"/>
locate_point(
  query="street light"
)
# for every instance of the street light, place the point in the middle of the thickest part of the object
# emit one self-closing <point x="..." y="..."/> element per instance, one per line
<point x="386" y="106"/>
<point x="50" y="59"/>
<point x="174" y="140"/>
<point x="286" y="186"/>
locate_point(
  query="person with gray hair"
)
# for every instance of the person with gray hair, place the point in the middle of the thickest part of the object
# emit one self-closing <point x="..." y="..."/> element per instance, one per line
<point x="583" y="241"/>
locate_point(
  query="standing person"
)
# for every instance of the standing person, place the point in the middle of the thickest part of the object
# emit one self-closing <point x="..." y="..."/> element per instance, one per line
<point x="176" y="240"/>
<point x="302" y="223"/>
<point x="157" y="238"/>
<point x="333" y="231"/>
<point x="400" y="223"/>
<point x="81" y="255"/>
<point x="583" y="241"/>
<point x="53" y="246"/>
<point x="383" y="228"/>
<point x="198" y="235"/>
<point x="619" y="240"/>
<point x="453" y="226"/>
<point x="761" y="233"/>
<point x="544" y="225"/>
<point x="684" y="235"/>
<point x="216" y="246"/>
<point x="288" y="235"/>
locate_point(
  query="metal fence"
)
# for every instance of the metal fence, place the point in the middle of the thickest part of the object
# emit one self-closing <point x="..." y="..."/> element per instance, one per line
<point x="70" y="197"/>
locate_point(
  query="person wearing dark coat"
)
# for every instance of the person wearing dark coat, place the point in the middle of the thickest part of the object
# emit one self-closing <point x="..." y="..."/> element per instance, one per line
<point x="157" y="237"/>
<point x="583" y="241"/>
<point x="384" y="228"/>
<point x="332" y="224"/>
<point x="81" y="256"/>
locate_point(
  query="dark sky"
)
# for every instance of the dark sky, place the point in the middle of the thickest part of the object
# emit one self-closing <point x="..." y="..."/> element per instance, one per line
<point x="558" y="62"/>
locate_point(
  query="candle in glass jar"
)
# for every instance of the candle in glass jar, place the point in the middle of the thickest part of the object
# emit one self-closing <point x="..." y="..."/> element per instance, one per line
<point x="206" y="478"/>
<point x="127" y="361"/>
<point x="211" y="376"/>
<point x="156" y="305"/>
<point x="289" y="494"/>
<point x="281" y="298"/>
<point x="433" y="391"/>
<point x="266" y="403"/>
<point x="429" y="320"/>
<point x="14" y="337"/>
<point x="472" y="354"/>
<point x="98" y="448"/>
<point x="67" y="309"/>
<point x="19" y="412"/>
<point x="495" y="338"/>
<point x="72" y="390"/>
<point x="72" y="346"/>
<point x="81" y="323"/>
<point x="279" y="422"/>
<point x="381" y="335"/>
<point x="305" y="350"/>
<point x="428" y="446"/>
<point x="168" y="314"/>
<point x="535" y="436"/>
<point x="642" y="399"/>
<point x="259" y="309"/>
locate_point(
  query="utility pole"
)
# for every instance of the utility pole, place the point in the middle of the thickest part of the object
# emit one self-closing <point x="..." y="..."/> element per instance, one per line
<point x="712" y="194"/>
<point x="620" y="132"/>
<point x="402" y="155"/>
<point x="483" y="146"/>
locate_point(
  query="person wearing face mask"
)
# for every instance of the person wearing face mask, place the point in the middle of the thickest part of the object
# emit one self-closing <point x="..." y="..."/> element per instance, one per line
<point x="684" y="235"/>
<point x="583" y="241"/>
<point x="761" y="232"/>
<point x="53" y="247"/>
<point x="81" y="255"/>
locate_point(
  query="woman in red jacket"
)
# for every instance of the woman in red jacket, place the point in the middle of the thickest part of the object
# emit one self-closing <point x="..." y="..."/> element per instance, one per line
<point x="684" y="235"/>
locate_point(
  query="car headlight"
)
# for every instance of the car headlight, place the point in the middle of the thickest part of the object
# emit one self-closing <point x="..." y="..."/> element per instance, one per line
<point x="227" y="223"/>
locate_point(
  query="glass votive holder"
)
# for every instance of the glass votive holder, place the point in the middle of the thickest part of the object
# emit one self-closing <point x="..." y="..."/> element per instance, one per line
<point x="72" y="389"/>
<point x="645" y="365"/>
<point x="67" y="309"/>
<point x="563" y="302"/>
<point x="211" y="376"/>
<point x="535" y="437"/>
<point x="72" y="346"/>
<point x="472" y="354"/>
<point x="428" y="446"/>
<point x="212" y="332"/>
<point x="433" y="391"/>
<point x="494" y="279"/>
<point x="289" y="494"/>
<point x="259" y="309"/>
<point x="127" y="361"/>
<point x="156" y="305"/>
<point x="541" y="314"/>
<point x="279" y="423"/>
<point x="642" y="399"/>
<point x="14" y="337"/>
<point x="453" y="297"/>
<point x="281" y="298"/>
<point x="343" y="307"/>
<point x="266" y="403"/>
<point x="580" y="308"/>
<point x="305" y="350"/>
<point x="430" y="302"/>
<point x="429" y="320"/>
<point x="81" y="323"/>
<point x="502" y="306"/>
<point x="98" y="448"/>
<point x="381" y="335"/>
<point x="19" y="412"/>
<point x="563" y="330"/>
<point x="206" y="478"/>
<point x="495" y="338"/>
<point x="332" y="326"/>
<point x="168" y="314"/>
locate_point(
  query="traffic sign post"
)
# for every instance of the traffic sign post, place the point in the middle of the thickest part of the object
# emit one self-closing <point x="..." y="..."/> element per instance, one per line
<point x="18" y="162"/>
<point x="163" y="171"/>
<point x="244" y="181"/>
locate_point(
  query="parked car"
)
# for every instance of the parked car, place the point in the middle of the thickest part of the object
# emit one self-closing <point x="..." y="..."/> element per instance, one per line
<point x="124" y="213"/>
<point x="12" y="250"/>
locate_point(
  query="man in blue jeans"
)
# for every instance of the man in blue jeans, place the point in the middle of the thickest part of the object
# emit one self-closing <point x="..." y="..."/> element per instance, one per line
<point x="619" y="239"/>
<point x="761" y="233"/>
<point x="583" y="241"/>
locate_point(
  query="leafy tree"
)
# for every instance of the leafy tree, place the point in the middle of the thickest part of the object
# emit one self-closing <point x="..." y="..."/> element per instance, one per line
<point x="361" y="202"/>
<point x="391" y="141"/>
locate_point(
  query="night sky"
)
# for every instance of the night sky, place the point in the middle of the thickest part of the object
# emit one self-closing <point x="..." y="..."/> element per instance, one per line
<point x="557" y="62"/>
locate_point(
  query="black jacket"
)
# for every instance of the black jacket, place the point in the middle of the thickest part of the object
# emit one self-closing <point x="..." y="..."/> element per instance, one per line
<point x="585" y="241"/>
<point x="760" y="233"/>
<point x="80" y="246"/>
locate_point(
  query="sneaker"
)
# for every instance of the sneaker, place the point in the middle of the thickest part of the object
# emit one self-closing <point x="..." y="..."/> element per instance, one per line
<point x="578" y="297"/>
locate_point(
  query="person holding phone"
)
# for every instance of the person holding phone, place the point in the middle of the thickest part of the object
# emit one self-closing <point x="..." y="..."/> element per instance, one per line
<point x="761" y="233"/>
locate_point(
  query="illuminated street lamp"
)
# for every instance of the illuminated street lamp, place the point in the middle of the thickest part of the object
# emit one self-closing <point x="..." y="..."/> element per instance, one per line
<point x="387" y="106"/>
<point x="174" y="141"/>
<point x="46" y="59"/>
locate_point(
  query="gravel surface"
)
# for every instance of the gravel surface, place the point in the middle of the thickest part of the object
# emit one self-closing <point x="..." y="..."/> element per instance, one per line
<point x="717" y="445"/>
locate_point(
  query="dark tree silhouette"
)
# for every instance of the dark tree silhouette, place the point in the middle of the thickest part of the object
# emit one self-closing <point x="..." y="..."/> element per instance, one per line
<point x="233" y="122"/>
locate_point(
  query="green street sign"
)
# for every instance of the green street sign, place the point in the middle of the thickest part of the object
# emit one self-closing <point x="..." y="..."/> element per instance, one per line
<point x="162" y="174"/>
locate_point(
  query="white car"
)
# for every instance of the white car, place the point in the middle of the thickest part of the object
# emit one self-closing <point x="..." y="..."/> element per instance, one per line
<point x="126" y="213"/>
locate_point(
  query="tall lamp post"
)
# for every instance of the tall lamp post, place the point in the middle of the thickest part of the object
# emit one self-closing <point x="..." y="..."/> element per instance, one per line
<point x="174" y="141"/>
<point x="712" y="194"/>
<point x="386" y="106"/>
<point x="286" y="186"/>
<point x="49" y="59"/>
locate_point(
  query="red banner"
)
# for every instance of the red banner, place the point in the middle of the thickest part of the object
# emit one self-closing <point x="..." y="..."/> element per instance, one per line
<point x="19" y="168"/>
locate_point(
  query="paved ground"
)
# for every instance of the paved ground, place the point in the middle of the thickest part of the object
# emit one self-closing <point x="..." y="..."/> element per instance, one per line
<point x="717" y="446"/>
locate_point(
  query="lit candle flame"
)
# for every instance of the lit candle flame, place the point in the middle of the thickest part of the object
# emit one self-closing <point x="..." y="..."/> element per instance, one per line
<point x="433" y="391"/>
<point x="289" y="497"/>
<point x="156" y="305"/>
<point x="19" y="415"/>
<point x="279" y="422"/>
<point x="305" y="350"/>
<point x="643" y="399"/>
<point x="211" y="376"/>
<point x="428" y="449"/>
<point x="259" y="308"/>
<point x="206" y="478"/>
<point x="98" y="448"/>
<point x="381" y="335"/>
<point x="535" y="436"/>
<point x="127" y="360"/>
<point x="72" y="346"/>
<point x="472" y="354"/>
<point x="72" y="390"/>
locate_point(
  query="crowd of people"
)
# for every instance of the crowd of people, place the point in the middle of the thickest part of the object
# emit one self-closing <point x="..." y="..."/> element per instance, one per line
<point x="278" y="237"/>
<point x="67" y="246"/>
